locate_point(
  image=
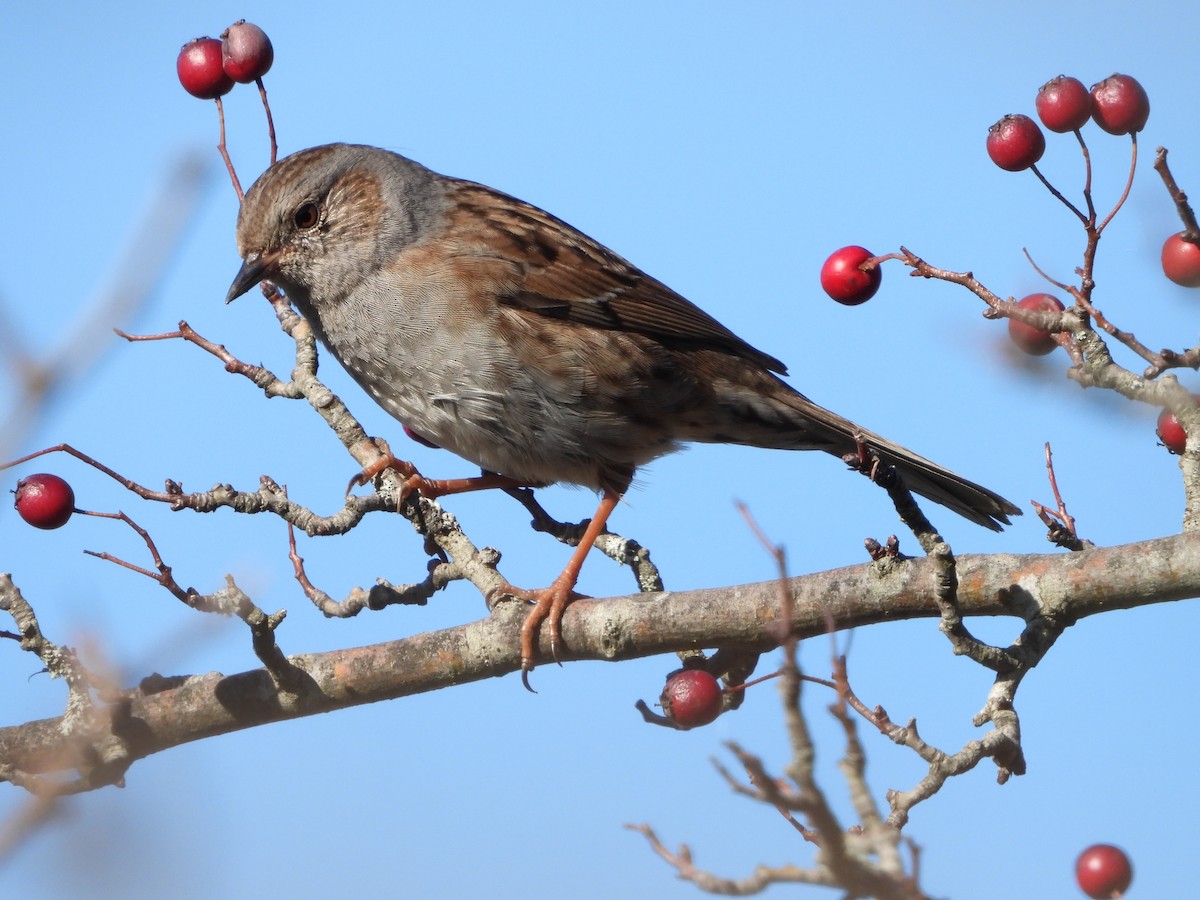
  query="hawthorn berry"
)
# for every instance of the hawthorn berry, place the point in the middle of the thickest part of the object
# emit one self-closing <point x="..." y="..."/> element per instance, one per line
<point x="1064" y="104"/>
<point x="1015" y="143"/>
<point x="199" y="69"/>
<point x="1103" y="871"/>
<point x="1170" y="432"/>
<point x="692" y="697"/>
<point x="44" y="501"/>
<point x="1120" y="104"/>
<point x="1181" y="261"/>
<point x="1034" y="341"/>
<point x="844" y="280"/>
<point x="420" y="439"/>
<point x="246" y="52"/>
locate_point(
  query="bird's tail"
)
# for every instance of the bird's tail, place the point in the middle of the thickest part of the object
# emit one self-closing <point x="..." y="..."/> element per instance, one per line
<point x="784" y="419"/>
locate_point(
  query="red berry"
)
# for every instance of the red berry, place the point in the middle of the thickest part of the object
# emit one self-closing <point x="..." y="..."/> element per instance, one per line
<point x="844" y="281"/>
<point x="199" y="69"/>
<point x="1181" y="261"/>
<point x="419" y="438"/>
<point x="246" y="52"/>
<point x="1170" y="432"/>
<point x="1015" y="143"/>
<point x="1034" y="341"/>
<point x="1103" y="870"/>
<point x="1064" y="104"/>
<point x="1120" y="104"/>
<point x="692" y="698"/>
<point x="44" y="501"/>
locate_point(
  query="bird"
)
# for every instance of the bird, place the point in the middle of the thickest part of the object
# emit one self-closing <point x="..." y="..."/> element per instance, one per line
<point x="499" y="332"/>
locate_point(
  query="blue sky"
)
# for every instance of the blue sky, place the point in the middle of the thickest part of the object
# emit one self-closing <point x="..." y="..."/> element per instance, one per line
<point x="726" y="150"/>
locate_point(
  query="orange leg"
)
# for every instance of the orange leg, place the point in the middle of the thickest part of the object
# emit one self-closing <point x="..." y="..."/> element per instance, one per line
<point x="551" y="602"/>
<point x="432" y="488"/>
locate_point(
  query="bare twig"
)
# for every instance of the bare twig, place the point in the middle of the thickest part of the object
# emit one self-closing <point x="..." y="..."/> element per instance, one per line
<point x="1191" y="230"/>
<point x="262" y="92"/>
<point x="223" y="150"/>
<point x="1061" y="532"/>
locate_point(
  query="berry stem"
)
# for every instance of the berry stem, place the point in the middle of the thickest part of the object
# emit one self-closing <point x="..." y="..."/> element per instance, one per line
<point x="1053" y="190"/>
<point x="1087" y="178"/>
<point x="237" y="185"/>
<point x="1191" y="230"/>
<point x="1038" y="269"/>
<point x="753" y="681"/>
<point x="262" y="92"/>
<point x="1128" y="185"/>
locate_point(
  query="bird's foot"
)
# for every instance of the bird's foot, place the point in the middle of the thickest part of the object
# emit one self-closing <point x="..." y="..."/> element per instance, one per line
<point x="860" y="457"/>
<point x="549" y="604"/>
<point x="865" y="461"/>
<point x="383" y="461"/>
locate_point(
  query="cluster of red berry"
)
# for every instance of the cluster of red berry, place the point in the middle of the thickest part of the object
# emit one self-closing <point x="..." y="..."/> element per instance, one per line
<point x="208" y="67"/>
<point x="1118" y="104"/>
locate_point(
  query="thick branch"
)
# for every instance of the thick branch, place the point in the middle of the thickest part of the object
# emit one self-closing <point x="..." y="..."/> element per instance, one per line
<point x="1070" y="586"/>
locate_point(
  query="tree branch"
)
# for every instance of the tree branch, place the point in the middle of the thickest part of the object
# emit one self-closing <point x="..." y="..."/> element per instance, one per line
<point x="164" y="713"/>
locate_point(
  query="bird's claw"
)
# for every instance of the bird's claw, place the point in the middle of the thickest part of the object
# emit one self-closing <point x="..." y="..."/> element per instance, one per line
<point x="413" y="479"/>
<point x="549" y="605"/>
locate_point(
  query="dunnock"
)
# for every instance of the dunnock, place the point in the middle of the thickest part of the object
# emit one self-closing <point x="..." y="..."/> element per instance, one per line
<point x="501" y="333"/>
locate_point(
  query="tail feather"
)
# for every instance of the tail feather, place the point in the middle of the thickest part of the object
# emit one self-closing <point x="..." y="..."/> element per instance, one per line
<point x="970" y="500"/>
<point x="785" y="419"/>
<point x="922" y="476"/>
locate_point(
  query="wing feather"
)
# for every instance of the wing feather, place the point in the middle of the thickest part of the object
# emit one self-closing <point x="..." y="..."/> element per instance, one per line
<point x="562" y="273"/>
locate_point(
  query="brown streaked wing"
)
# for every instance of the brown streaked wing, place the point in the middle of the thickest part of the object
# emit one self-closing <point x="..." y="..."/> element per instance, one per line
<point x="568" y="275"/>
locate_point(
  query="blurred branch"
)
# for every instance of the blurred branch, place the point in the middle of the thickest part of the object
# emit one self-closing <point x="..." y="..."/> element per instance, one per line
<point x="152" y="245"/>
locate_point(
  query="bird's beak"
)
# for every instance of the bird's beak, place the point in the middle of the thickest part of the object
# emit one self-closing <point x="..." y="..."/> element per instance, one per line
<point x="257" y="267"/>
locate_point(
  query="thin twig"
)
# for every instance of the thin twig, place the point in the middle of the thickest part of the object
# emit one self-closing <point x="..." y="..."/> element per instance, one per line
<point x="262" y="92"/>
<point x="237" y="185"/>
<point x="1191" y="230"/>
<point x="1128" y="185"/>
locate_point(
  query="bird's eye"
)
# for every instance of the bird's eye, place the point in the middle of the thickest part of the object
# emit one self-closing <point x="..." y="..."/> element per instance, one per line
<point x="307" y="215"/>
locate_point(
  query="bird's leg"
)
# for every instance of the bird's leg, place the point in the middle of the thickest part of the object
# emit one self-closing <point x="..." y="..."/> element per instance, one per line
<point x="432" y="488"/>
<point x="552" y="601"/>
